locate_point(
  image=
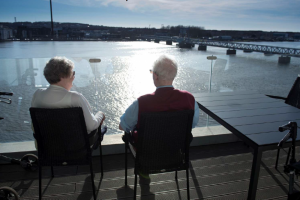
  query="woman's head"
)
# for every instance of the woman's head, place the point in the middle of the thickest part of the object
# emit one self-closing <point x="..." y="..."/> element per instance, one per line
<point x="58" y="68"/>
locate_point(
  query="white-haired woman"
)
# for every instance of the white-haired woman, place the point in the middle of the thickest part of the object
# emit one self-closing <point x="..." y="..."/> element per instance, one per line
<point x="60" y="75"/>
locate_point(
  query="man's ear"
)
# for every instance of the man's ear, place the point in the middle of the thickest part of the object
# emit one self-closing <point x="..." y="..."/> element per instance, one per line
<point x="155" y="76"/>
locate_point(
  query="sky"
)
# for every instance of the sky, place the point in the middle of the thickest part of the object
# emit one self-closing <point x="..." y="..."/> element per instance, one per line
<point x="265" y="15"/>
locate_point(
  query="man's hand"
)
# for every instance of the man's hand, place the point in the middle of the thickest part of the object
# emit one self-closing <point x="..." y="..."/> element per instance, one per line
<point x="120" y="127"/>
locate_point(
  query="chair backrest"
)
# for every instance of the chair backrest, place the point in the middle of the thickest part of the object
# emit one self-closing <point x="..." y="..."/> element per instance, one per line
<point x="163" y="141"/>
<point x="61" y="136"/>
<point x="293" y="97"/>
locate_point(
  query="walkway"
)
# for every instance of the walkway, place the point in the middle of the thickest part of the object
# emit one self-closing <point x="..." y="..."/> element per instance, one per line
<point x="217" y="172"/>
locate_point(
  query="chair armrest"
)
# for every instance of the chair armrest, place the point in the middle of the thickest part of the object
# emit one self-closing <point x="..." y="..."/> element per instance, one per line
<point x="100" y="134"/>
<point x="129" y="138"/>
<point x="276" y="97"/>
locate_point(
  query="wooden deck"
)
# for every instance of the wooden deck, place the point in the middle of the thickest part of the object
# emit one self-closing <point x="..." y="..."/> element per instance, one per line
<point x="216" y="172"/>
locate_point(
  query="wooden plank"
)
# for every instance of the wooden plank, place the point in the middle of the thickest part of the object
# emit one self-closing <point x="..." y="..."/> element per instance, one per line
<point x="237" y="93"/>
<point x="260" y="128"/>
<point x="257" y="112"/>
<point x="233" y="97"/>
<point x="235" y="103"/>
<point x="273" y="138"/>
<point x="237" y="121"/>
<point x="248" y="106"/>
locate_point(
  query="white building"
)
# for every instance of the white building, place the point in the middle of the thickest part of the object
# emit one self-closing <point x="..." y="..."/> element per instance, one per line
<point x="5" y="33"/>
<point x="95" y="33"/>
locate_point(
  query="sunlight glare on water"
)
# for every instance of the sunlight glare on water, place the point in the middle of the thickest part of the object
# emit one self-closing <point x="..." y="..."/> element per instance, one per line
<point x="123" y="75"/>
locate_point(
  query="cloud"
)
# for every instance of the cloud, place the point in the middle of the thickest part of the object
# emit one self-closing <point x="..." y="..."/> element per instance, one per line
<point x="203" y="11"/>
<point x="186" y="7"/>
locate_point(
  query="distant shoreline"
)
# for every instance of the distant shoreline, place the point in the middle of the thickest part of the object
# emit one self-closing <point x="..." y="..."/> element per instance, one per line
<point x="128" y="40"/>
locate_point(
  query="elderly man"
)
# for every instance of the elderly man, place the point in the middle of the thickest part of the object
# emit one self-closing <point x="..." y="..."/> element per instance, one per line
<point x="165" y="98"/>
<point x="60" y="75"/>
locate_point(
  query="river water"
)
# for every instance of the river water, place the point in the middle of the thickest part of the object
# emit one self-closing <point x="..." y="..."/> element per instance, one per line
<point x="123" y="75"/>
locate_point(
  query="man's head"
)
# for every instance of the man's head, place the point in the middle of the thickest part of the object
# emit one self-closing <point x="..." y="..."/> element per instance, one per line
<point x="59" y="71"/>
<point x="164" y="71"/>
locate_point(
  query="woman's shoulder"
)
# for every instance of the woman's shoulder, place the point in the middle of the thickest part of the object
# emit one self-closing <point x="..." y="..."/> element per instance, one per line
<point x="38" y="91"/>
<point x="75" y="93"/>
<point x="76" y="96"/>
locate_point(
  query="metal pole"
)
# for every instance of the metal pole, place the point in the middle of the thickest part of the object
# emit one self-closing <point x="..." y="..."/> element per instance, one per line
<point x="212" y="58"/>
<point x="51" y="18"/>
<point x="207" y="119"/>
<point x="210" y="76"/>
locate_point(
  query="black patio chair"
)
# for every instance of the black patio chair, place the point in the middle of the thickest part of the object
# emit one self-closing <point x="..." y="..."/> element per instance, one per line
<point x="292" y="99"/>
<point x="163" y="144"/>
<point x="62" y="140"/>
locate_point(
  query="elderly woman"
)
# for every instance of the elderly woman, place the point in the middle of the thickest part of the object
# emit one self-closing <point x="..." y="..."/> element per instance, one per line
<point x="60" y="74"/>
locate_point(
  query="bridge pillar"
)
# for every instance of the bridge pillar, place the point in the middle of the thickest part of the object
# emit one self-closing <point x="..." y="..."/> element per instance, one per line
<point x="202" y="47"/>
<point x="231" y="52"/>
<point x="156" y="40"/>
<point x="284" y="59"/>
<point x="247" y="51"/>
<point x="268" y="54"/>
<point x="169" y="42"/>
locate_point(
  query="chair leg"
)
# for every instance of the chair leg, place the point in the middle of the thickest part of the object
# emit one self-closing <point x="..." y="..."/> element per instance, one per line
<point x="187" y="184"/>
<point x="101" y="164"/>
<point x="135" y="184"/>
<point x="278" y="151"/>
<point x="40" y="182"/>
<point x="92" y="177"/>
<point x="288" y="157"/>
<point x="126" y="143"/>
<point x="176" y="174"/>
<point x="52" y="173"/>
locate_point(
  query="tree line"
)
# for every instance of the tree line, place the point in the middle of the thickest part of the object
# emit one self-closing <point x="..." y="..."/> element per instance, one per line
<point x="192" y="31"/>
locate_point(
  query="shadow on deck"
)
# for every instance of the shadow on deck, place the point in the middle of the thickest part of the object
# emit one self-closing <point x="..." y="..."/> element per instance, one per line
<point x="216" y="172"/>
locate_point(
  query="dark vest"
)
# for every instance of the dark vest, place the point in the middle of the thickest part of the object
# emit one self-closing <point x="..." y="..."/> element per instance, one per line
<point x="165" y="99"/>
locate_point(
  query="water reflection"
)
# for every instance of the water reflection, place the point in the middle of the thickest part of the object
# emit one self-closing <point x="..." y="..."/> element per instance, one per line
<point x="123" y="75"/>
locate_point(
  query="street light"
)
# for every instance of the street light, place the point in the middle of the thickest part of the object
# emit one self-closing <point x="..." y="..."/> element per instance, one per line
<point x="212" y="58"/>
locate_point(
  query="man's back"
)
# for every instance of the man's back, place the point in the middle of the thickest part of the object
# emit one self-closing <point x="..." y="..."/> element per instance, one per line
<point x="166" y="99"/>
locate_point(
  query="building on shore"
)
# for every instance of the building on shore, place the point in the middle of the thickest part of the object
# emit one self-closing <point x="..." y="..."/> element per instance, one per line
<point x="5" y="33"/>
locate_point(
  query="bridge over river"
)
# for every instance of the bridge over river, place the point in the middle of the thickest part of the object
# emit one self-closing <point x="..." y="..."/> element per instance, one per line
<point x="293" y="52"/>
<point x="285" y="52"/>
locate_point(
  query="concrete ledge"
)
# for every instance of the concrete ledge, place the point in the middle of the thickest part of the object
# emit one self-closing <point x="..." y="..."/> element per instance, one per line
<point x="212" y="135"/>
<point x="113" y="144"/>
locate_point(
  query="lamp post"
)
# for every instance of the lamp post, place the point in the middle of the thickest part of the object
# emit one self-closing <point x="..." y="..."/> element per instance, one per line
<point x="212" y="58"/>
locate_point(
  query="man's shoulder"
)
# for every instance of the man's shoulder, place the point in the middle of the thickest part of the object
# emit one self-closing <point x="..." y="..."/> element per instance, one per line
<point x="146" y="95"/>
<point x="183" y="92"/>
